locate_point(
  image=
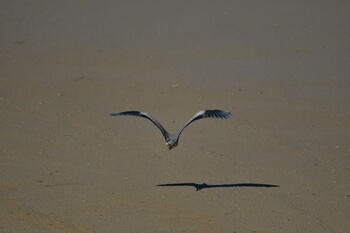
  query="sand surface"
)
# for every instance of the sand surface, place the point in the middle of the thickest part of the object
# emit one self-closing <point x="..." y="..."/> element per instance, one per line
<point x="281" y="68"/>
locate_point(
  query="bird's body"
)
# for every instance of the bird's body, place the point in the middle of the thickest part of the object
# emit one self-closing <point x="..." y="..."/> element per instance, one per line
<point x="172" y="140"/>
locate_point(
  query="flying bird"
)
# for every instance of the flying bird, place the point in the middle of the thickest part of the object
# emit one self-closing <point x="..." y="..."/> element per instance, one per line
<point x="172" y="140"/>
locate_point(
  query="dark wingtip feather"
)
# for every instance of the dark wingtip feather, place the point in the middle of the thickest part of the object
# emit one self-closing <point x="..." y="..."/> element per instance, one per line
<point x="219" y="113"/>
<point x="226" y="115"/>
<point x="127" y="113"/>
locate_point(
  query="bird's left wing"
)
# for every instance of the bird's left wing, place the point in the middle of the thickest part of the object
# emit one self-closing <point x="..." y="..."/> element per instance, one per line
<point x="207" y="114"/>
<point x="144" y="115"/>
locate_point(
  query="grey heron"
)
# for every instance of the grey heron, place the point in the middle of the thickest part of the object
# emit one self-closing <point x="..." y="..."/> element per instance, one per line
<point x="173" y="139"/>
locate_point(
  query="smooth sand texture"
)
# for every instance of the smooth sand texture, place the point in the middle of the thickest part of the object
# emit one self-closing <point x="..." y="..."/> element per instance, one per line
<point x="281" y="68"/>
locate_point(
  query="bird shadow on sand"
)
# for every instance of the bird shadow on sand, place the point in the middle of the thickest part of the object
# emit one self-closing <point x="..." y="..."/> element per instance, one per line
<point x="199" y="187"/>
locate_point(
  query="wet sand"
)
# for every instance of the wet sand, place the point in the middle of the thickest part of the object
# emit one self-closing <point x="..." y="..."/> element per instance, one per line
<point x="280" y="164"/>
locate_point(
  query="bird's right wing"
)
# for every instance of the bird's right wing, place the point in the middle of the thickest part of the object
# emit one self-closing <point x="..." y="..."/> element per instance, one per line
<point x="144" y="115"/>
<point x="207" y="114"/>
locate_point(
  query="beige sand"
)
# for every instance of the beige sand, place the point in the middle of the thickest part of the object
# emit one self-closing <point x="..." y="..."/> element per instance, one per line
<point x="280" y="68"/>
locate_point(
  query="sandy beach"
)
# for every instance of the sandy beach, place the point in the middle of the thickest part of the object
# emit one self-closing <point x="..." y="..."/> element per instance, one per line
<point x="281" y="163"/>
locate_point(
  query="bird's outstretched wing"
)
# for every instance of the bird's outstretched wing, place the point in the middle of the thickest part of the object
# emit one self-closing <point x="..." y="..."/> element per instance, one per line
<point x="144" y="115"/>
<point x="207" y="114"/>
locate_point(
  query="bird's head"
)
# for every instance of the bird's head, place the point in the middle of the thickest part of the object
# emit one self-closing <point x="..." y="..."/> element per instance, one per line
<point x="171" y="145"/>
